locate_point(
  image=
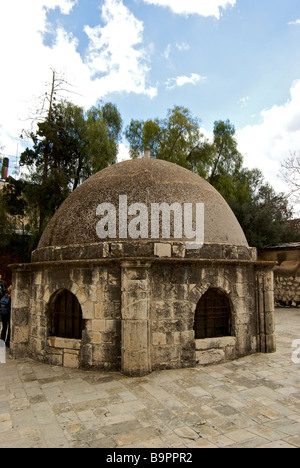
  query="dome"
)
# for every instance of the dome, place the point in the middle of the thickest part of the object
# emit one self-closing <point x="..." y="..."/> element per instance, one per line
<point x="145" y="181"/>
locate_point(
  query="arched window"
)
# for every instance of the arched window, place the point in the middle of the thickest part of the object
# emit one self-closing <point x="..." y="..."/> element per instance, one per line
<point x="213" y="315"/>
<point x="66" y="316"/>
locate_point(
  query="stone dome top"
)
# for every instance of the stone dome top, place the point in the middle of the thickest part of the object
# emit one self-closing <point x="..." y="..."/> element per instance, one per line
<point x="145" y="181"/>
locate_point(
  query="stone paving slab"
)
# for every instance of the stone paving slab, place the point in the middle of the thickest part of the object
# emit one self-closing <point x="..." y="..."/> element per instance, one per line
<point x="252" y="402"/>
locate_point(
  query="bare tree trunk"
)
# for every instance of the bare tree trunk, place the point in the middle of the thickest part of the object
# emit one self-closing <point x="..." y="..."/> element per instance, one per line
<point x="46" y="155"/>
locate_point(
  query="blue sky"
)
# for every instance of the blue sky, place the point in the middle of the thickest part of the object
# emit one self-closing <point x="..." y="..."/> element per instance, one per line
<point x="223" y="59"/>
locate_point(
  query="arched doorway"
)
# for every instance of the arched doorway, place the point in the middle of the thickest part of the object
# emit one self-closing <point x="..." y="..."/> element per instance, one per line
<point x="66" y="316"/>
<point x="213" y="315"/>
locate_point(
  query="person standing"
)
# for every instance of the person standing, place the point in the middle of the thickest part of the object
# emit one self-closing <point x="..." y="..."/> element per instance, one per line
<point x="5" y="307"/>
<point x="3" y="287"/>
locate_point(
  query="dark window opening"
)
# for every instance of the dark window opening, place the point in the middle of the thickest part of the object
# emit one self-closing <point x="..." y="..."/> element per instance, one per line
<point x="213" y="315"/>
<point x="66" y="317"/>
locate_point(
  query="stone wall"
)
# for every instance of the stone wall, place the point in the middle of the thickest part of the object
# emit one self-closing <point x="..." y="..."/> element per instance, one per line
<point x="173" y="343"/>
<point x="21" y="313"/>
<point x="286" y="273"/>
<point x="139" y="315"/>
<point x="99" y="294"/>
<point x="287" y="291"/>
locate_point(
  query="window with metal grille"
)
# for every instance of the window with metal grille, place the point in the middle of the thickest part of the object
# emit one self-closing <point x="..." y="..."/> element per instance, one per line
<point x="213" y="315"/>
<point x="66" y="316"/>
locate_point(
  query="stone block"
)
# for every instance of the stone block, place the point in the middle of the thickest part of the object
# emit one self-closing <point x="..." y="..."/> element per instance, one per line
<point x="55" y="359"/>
<point x="136" y="363"/>
<point x="178" y="250"/>
<point x="98" y="325"/>
<point x="269" y="323"/>
<point x="177" y="338"/>
<point x="38" y="279"/>
<point x="99" y="310"/>
<point x="64" y="343"/>
<point x="116" y="250"/>
<point x="162" y="250"/>
<point x="111" y="326"/>
<point x="270" y="343"/>
<point x="20" y="334"/>
<point x="136" y="310"/>
<point x="163" y="310"/>
<point x="81" y="296"/>
<point x="242" y="319"/>
<point x="230" y="353"/>
<point x="96" y="337"/>
<point x="159" y="339"/>
<point x="135" y="334"/>
<point x="20" y="300"/>
<point x="106" y="252"/>
<point x="187" y="336"/>
<point x="215" y="343"/>
<point x="212" y="356"/>
<point x="70" y="360"/>
<point x="88" y="310"/>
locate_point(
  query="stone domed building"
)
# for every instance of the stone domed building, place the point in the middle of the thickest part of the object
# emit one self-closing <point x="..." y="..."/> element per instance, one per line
<point x="143" y="267"/>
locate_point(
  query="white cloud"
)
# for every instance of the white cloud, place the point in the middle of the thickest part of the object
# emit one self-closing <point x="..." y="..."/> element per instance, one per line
<point x="167" y="52"/>
<point x="244" y="101"/>
<point x="267" y="144"/>
<point x="115" y="60"/>
<point x="294" y="23"/>
<point x="25" y="61"/>
<point x="115" y="51"/>
<point x="123" y="154"/>
<point x="185" y="80"/>
<point x="64" y="5"/>
<point x="189" y="7"/>
<point x="183" y="46"/>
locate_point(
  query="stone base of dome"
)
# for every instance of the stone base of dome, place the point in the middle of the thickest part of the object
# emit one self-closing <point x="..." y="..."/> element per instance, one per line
<point x="144" y="249"/>
<point x="139" y="313"/>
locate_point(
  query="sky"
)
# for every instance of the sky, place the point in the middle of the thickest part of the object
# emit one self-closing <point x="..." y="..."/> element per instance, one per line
<point x="222" y="59"/>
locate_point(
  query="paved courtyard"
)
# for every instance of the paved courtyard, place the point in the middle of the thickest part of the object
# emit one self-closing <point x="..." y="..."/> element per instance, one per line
<point x="252" y="402"/>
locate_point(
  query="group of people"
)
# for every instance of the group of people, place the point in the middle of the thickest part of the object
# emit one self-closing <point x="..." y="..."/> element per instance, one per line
<point x="5" y="306"/>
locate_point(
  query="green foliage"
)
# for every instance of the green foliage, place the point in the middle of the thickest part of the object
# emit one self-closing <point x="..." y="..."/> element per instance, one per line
<point x="172" y="139"/>
<point x="262" y="213"/>
<point x="102" y="134"/>
<point x="68" y="147"/>
<point x="15" y="247"/>
<point x="227" y="158"/>
<point x="264" y="216"/>
<point x="73" y="143"/>
<point x="6" y="224"/>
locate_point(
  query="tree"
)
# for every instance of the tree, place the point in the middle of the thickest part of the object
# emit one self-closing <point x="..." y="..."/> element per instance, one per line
<point x="6" y="224"/>
<point x="67" y="149"/>
<point x="178" y="139"/>
<point x="142" y="135"/>
<point x="15" y="244"/>
<point x="219" y="161"/>
<point x="263" y="214"/>
<point x="290" y="173"/>
<point x="44" y="114"/>
<point x="173" y="139"/>
<point x="103" y="133"/>
<point x="227" y="159"/>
